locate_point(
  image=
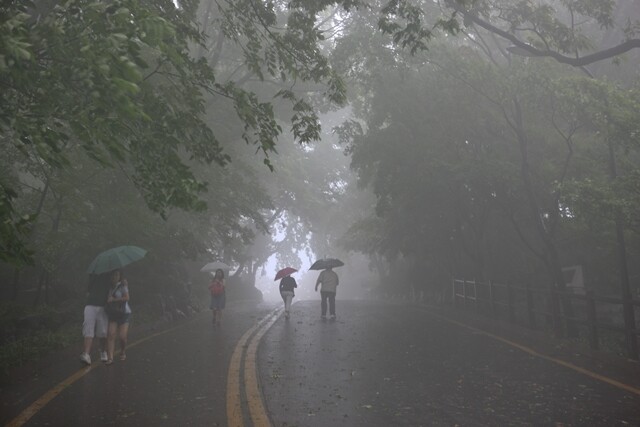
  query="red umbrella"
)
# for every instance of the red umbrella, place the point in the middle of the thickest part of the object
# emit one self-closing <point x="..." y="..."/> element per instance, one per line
<point x="284" y="272"/>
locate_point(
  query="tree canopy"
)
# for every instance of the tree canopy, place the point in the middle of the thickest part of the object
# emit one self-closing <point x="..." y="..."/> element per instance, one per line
<point x="491" y="133"/>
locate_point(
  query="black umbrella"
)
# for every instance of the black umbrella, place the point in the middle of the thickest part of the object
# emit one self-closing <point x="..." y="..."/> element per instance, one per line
<point x="323" y="264"/>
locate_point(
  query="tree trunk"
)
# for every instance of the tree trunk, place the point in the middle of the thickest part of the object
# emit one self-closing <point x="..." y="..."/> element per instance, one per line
<point x="625" y="287"/>
<point x="36" y="300"/>
<point x="16" y="284"/>
<point x="551" y="259"/>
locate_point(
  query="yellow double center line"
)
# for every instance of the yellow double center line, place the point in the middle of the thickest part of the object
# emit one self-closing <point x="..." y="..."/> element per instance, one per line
<point x="256" y="407"/>
<point x="41" y="402"/>
<point x="257" y="411"/>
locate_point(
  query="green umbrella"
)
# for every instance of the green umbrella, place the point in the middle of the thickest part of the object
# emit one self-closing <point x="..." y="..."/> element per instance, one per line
<point x="115" y="258"/>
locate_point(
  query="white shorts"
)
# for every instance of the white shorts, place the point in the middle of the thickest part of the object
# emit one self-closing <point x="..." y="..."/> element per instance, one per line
<point x="95" y="322"/>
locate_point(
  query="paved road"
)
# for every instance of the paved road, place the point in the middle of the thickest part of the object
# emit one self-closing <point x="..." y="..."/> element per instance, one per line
<point x="398" y="365"/>
<point x="172" y="377"/>
<point x="376" y="365"/>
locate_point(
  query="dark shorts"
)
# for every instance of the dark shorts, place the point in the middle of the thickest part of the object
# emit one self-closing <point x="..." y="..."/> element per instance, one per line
<point x="120" y="319"/>
<point x="218" y="302"/>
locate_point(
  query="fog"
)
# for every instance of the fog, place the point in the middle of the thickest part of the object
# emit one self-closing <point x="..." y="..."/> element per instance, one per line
<point x="474" y="164"/>
<point x="357" y="281"/>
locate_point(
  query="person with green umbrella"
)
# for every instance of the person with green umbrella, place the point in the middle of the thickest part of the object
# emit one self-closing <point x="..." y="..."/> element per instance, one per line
<point x="118" y="318"/>
<point x="95" y="322"/>
<point x="100" y="270"/>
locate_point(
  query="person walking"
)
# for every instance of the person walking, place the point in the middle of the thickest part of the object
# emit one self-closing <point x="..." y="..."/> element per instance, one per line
<point x="95" y="321"/>
<point x="119" y="317"/>
<point x="329" y="281"/>
<point x="218" y="296"/>
<point x="287" y="285"/>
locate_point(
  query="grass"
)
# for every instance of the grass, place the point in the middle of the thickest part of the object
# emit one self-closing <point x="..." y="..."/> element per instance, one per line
<point x="28" y="333"/>
<point x="31" y="347"/>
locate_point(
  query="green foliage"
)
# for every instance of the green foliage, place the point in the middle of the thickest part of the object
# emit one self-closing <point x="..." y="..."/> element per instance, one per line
<point x="612" y="113"/>
<point x="16" y="353"/>
<point x="440" y="148"/>
<point x="114" y="80"/>
<point x="21" y="343"/>
<point x="555" y="29"/>
<point x="404" y="21"/>
<point x="280" y="52"/>
<point x="365" y="236"/>
<point x="13" y="231"/>
<point x="118" y="82"/>
<point x="605" y="108"/>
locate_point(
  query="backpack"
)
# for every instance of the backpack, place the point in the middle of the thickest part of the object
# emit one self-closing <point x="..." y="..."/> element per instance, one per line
<point x="217" y="288"/>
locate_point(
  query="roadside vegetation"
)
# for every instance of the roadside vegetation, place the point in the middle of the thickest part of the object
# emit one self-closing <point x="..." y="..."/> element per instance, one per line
<point x="31" y="333"/>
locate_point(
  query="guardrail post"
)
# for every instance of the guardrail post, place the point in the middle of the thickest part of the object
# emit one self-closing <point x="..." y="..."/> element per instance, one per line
<point x="475" y="295"/>
<point x="555" y="315"/>
<point x="531" y="314"/>
<point x="493" y="302"/>
<point x="592" y="320"/>
<point x="453" y="291"/>
<point x="464" y="293"/>
<point x="510" y="307"/>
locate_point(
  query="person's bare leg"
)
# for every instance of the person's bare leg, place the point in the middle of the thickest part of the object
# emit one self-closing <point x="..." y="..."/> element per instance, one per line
<point x="111" y="340"/>
<point x="87" y="344"/>
<point x="123" y="333"/>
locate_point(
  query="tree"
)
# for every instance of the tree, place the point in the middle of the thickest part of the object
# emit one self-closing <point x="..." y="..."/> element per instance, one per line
<point x="555" y="29"/>
<point x="117" y="81"/>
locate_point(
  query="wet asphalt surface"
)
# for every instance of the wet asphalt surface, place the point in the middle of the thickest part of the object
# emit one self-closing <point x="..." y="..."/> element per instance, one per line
<point x="177" y="378"/>
<point x="397" y="365"/>
<point x="376" y="365"/>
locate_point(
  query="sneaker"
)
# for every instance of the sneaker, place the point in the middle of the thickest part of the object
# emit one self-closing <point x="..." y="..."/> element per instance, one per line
<point x="333" y="317"/>
<point x="103" y="356"/>
<point x="85" y="358"/>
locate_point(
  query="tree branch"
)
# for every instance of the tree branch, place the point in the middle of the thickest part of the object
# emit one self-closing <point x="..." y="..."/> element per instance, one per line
<point x="533" y="51"/>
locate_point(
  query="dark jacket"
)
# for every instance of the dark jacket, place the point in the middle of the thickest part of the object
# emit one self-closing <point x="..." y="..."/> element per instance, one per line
<point x="288" y="284"/>
<point x="98" y="289"/>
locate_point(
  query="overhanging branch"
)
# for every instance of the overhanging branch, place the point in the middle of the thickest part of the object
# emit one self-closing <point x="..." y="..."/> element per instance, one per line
<point x="533" y="51"/>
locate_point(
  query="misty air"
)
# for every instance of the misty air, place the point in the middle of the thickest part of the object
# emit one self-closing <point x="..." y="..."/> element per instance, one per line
<point x="320" y="213"/>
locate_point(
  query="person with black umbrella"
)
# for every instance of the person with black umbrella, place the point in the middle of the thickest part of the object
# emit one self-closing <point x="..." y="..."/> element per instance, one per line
<point x="329" y="281"/>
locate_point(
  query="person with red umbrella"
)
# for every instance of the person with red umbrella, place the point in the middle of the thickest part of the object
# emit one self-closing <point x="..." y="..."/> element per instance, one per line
<point x="287" y="285"/>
